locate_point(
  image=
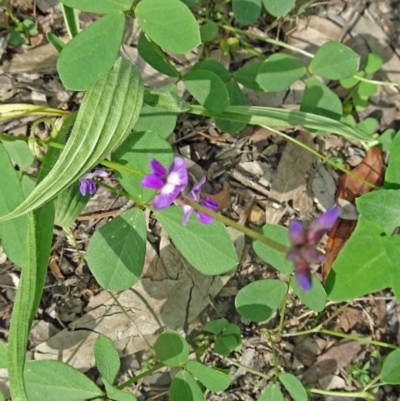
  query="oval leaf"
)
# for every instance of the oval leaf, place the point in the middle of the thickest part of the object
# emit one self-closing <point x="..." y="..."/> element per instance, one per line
<point x="246" y="11"/>
<point x="19" y="152"/>
<point x="278" y="8"/>
<point x="260" y="299"/>
<point x="168" y="23"/>
<point x="90" y="55"/>
<point x="216" y="326"/>
<point x="208" y="89"/>
<point x="107" y="359"/>
<point x="184" y="387"/>
<point x="99" y="7"/>
<point x="229" y="340"/>
<point x="115" y="394"/>
<point x="272" y="393"/>
<point x="207" y="247"/>
<point x="210" y="64"/>
<point x="315" y="298"/>
<point x="335" y="60"/>
<point x="391" y="368"/>
<point x="172" y="349"/>
<point x="293" y="386"/>
<point x="108" y="112"/>
<point x="212" y="379"/>
<point x="116" y="252"/>
<point x="247" y="75"/>
<point x="279" y="71"/>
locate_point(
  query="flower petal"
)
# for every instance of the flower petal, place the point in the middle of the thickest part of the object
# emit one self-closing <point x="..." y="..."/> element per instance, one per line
<point x="158" y="169"/>
<point x="303" y="275"/>
<point x="83" y="188"/>
<point x="166" y="196"/>
<point x="152" y="181"/>
<point x="312" y="255"/>
<point x="177" y="174"/>
<point x="322" y="224"/>
<point x="92" y="187"/>
<point x="187" y="211"/>
<point x="297" y="234"/>
<point x="100" y="173"/>
<point x="209" y="204"/>
<point x="197" y="188"/>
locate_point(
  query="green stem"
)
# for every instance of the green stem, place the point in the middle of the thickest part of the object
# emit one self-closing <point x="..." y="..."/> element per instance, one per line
<point x="246" y="368"/>
<point x="362" y="394"/>
<point x="19" y="25"/>
<point x="372" y="81"/>
<point x="71" y="20"/>
<point x="146" y="373"/>
<point x="283" y="310"/>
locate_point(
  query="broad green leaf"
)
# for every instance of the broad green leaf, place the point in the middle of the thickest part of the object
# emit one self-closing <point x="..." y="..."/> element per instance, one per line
<point x="372" y="63"/>
<point x="229" y="340"/>
<point x="210" y="64"/>
<point x="171" y="348"/>
<point x="272" y="393"/>
<point x="216" y="326"/>
<point x="168" y="23"/>
<point x="392" y="245"/>
<point x="3" y="355"/>
<point x="369" y="125"/>
<point x="386" y="139"/>
<point x="293" y="386"/>
<point x="190" y="3"/>
<point x="381" y="208"/>
<point x="62" y="381"/>
<point x="108" y="112"/>
<point x="99" y="7"/>
<point x="260" y="299"/>
<point x="184" y="387"/>
<point x="158" y="120"/>
<point x="270" y="255"/>
<point x="135" y="153"/>
<point x="57" y="43"/>
<point x="116" y="394"/>
<point x="116" y="252"/>
<point x="279" y="71"/>
<point x="20" y="153"/>
<point x="359" y="102"/>
<point x="166" y="98"/>
<point x="278" y="8"/>
<point x="273" y="117"/>
<point x="246" y="11"/>
<point x="212" y="379"/>
<point x="107" y="359"/>
<point x="153" y="56"/>
<point x="335" y="60"/>
<point x="90" y="55"/>
<point x="319" y="99"/>
<point x="12" y="232"/>
<point x="362" y="266"/>
<point x="315" y="298"/>
<point x="208" y="89"/>
<point x="392" y="175"/>
<point x="391" y="368"/>
<point x="69" y="205"/>
<point x="366" y="89"/>
<point x="247" y="75"/>
<point x="207" y="247"/>
<point x="208" y="31"/>
<point x="236" y="97"/>
<point x="29" y="27"/>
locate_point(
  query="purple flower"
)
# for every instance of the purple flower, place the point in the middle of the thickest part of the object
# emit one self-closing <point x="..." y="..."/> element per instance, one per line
<point x="87" y="183"/>
<point x="169" y="184"/>
<point x="303" y="251"/>
<point x="206" y="202"/>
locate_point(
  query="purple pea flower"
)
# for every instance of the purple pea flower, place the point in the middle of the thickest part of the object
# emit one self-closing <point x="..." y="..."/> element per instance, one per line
<point x="169" y="183"/>
<point x="303" y="251"/>
<point x="206" y="202"/>
<point x="87" y="183"/>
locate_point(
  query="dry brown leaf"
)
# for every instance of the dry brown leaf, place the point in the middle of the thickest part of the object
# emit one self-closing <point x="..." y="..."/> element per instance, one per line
<point x="349" y="318"/>
<point x="55" y="269"/>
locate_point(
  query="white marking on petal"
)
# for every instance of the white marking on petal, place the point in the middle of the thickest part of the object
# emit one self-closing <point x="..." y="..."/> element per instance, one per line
<point x="167" y="189"/>
<point x="174" y="179"/>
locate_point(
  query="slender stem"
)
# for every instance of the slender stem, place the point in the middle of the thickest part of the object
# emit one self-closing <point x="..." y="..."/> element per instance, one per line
<point x="8" y="27"/>
<point x="146" y="373"/>
<point x="246" y="368"/>
<point x="283" y="310"/>
<point x="7" y="6"/>
<point x="71" y="20"/>
<point x="275" y="357"/>
<point x="372" y="81"/>
<point x="362" y="394"/>
<point x="372" y="382"/>
<point x="121" y="167"/>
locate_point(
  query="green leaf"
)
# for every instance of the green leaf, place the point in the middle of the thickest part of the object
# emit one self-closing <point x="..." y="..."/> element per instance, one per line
<point x="90" y="55"/>
<point x="184" y="387"/>
<point x="208" y="31"/>
<point x="392" y="175"/>
<point x="166" y="98"/>
<point x="99" y="7"/>
<point x="69" y="205"/>
<point x="236" y="97"/>
<point x="260" y="299"/>
<point x="369" y="125"/>
<point x="153" y="55"/>
<point x="392" y="246"/>
<point x="319" y="99"/>
<point x="229" y="340"/>
<point x="168" y="23"/>
<point x="362" y="266"/>
<point x="135" y="153"/>
<point x="216" y="326"/>
<point x="293" y="386"/>
<point x="212" y="379"/>
<point x="189" y="3"/>
<point x="2" y="398"/>
<point x="107" y="359"/>
<point x="171" y="348"/>
<point x="57" y="43"/>
<point x="208" y="89"/>
<point x="108" y="112"/>
<point x="20" y="153"/>
<point x="359" y="102"/>
<point x="372" y="63"/>
<point x="116" y="252"/>
<point x="335" y="60"/>
<point x="279" y="71"/>
<point x="366" y="89"/>
<point x="272" y="393"/>
<point x="247" y="75"/>
<point x="210" y="64"/>
<point x="29" y="27"/>
<point x="17" y="38"/>
<point x="116" y="394"/>
<point x="315" y="298"/>
<point x="386" y="139"/>
<point x="391" y="368"/>
<point x="207" y="247"/>
<point x="3" y="355"/>
<point x="62" y="381"/>
<point x="158" y="120"/>
<point x="278" y="8"/>
<point x="246" y="11"/>
<point x="270" y="255"/>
